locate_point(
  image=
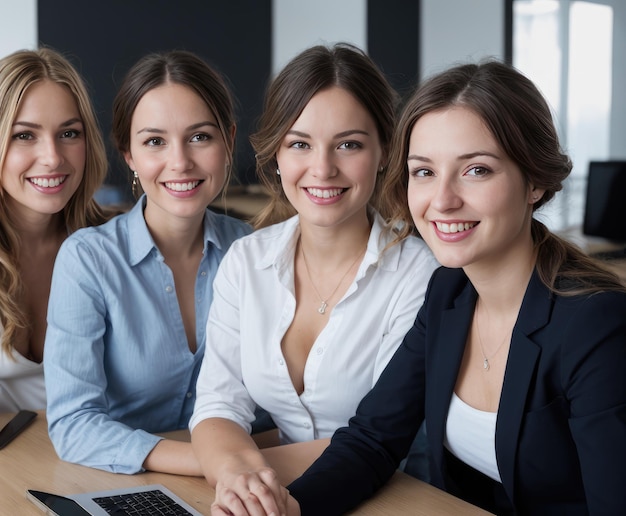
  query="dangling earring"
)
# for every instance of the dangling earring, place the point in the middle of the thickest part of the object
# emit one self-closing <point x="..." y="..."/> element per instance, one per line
<point x="277" y="171"/>
<point x="135" y="183"/>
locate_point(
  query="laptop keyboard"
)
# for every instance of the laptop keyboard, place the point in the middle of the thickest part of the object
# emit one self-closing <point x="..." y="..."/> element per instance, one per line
<point x="144" y="503"/>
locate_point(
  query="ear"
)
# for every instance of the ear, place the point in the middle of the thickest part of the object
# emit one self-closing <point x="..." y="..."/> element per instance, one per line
<point x="129" y="160"/>
<point x="233" y="132"/>
<point x="534" y="194"/>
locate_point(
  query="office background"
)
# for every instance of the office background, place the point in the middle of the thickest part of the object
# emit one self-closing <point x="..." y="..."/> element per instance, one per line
<point x="249" y="40"/>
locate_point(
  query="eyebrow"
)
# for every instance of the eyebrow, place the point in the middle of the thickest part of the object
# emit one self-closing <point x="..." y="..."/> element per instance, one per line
<point x="190" y="128"/>
<point x="469" y="155"/>
<point x="32" y="125"/>
<point x="342" y="134"/>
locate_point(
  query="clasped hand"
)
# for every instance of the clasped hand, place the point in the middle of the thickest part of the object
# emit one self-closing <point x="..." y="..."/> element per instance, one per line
<point x="252" y="493"/>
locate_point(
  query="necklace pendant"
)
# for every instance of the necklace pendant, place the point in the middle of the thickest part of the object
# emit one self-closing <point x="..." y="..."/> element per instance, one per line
<point x="486" y="365"/>
<point x="322" y="308"/>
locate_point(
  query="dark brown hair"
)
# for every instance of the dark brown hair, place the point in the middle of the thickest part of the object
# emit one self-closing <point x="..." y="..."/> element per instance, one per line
<point x="311" y="71"/>
<point x="178" y="67"/>
<point x="519" y="119"/>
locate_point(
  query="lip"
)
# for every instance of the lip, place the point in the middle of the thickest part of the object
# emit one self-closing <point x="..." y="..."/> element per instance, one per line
<point x="182" y="189"/>
<point x="454" y="230"/>
<point x="324" y="195"/>
<point x="48" y="184"/>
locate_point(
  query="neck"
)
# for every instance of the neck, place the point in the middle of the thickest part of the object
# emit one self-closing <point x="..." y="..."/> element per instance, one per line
<point x="35" y="231"/>
<point x="332" y="247"/>
<point x="501" y="286"/>
<point x="177" y="237"/>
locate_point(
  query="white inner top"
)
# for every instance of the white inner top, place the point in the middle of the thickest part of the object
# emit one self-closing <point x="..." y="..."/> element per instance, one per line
<point x="471" y="436"/>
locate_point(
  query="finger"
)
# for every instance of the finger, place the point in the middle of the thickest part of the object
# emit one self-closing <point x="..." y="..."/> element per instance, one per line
<point x="217" y="510"/>
<point x="278" y="492"/>
<point x="229" y="502"/>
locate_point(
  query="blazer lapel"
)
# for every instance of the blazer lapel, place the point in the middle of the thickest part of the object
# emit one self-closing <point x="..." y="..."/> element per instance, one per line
<point x="446" y="348"/>
<point x="521" y="365"/>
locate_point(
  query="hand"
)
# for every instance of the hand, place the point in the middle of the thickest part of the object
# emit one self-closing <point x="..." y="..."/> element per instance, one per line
<point x="253" y="493"/>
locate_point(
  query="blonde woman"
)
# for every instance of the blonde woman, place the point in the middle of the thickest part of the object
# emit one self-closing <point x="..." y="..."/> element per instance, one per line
<point x="52" y="161"/>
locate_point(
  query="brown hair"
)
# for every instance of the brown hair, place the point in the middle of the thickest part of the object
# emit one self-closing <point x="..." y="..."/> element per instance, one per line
<point x="520" y="120"/>
<point x="311" y="71"/>
<point x="18" y="71"/>
<point x="178" y="67"/>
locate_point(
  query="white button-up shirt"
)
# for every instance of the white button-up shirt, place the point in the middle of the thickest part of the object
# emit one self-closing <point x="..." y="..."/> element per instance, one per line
<point x="254" y="305"/>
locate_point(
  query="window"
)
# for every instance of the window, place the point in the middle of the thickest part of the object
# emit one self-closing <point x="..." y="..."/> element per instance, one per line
<point x="565" y="47"/>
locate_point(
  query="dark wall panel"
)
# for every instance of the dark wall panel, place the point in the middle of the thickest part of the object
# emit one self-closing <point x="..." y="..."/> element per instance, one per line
<point x="103" y="39"/>
<point x="393" y="40"/>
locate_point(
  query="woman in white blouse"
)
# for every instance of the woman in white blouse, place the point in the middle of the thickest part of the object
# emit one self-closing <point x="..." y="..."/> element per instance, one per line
<point x="52" y="160"/>
<point x="308" y="310"/>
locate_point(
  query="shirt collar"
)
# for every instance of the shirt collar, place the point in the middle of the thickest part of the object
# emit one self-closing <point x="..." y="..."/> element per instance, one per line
<point x="281" y="255"/>
<point x="141" y="243"/>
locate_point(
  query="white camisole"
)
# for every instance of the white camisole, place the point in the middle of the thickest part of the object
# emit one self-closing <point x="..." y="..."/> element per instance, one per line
<point x="471" y="435"/>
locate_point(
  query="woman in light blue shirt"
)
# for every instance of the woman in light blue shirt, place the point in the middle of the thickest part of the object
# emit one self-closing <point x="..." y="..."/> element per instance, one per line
<point x="130" y="299"/>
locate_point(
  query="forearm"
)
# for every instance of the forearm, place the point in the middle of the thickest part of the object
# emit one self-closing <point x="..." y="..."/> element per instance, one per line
<point x="223" y="446"/>
<point x="175" y="457"/>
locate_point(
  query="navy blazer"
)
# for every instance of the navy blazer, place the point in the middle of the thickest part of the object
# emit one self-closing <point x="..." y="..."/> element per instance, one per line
<point x="561" y="424"/>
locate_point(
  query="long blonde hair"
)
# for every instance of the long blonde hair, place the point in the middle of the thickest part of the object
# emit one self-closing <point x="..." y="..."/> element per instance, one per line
<point x="18" y="71"/>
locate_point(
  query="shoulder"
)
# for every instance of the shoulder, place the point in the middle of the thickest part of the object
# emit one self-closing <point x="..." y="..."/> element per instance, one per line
<point x="447" y="285"/>
<point x="276" y="235"/>
<point x="597" y="308"/>
<point x="107" y="234"/>
<point x="228" y="226"/>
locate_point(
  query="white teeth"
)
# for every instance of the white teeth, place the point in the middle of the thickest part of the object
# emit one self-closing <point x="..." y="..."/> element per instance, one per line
<point x="324" y="194"/>
<point x="47" y="183"/>
<point x="455" y="227"/>
<point x="182" y="187"/>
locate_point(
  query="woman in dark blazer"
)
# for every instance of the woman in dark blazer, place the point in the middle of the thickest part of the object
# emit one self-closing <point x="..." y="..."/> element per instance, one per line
<point x="517" y="360"/>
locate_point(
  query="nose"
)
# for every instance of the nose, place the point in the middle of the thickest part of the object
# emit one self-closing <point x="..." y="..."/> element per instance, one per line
<point x="446" y="195"/>
<point x="180" y="158"/>
<point x="323" y="165"/>
<point x="51" y="156"/>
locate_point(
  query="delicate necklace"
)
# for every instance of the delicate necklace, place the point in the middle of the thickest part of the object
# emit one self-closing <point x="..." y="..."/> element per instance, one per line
<point x="324" y="302"/>
<point x="486" y="359"/>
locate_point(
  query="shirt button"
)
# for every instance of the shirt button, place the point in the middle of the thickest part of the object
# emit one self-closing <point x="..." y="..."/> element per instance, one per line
<point x="189" y="395"/>
<point x="203" y="273"/>
<point x="169" y="289"/>
<point x="320" y="351"/>
<point x="281" y="362"/>
<point x="306" y="425"/>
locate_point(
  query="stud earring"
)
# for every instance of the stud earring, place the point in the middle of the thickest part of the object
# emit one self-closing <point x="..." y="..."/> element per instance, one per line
<point x="380" y="169"/>
<point x="277" y="171"/>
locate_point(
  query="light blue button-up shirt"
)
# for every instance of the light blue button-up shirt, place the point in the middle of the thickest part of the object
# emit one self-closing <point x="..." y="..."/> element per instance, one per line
<point x="117" y="363"/>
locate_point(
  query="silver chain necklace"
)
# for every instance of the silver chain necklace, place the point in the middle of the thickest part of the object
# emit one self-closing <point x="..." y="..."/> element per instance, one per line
<point x="324" y="301"/>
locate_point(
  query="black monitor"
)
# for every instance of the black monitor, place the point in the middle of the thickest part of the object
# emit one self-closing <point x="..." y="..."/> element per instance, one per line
<point x="605" y="205"/>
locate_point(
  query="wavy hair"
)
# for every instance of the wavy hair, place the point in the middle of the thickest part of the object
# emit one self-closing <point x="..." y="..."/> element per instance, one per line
<point x="18" y="71"/>
<point x="311" y="71"/>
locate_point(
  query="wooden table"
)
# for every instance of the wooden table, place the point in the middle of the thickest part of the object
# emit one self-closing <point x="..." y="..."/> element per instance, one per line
<point x="30" y="462"/>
